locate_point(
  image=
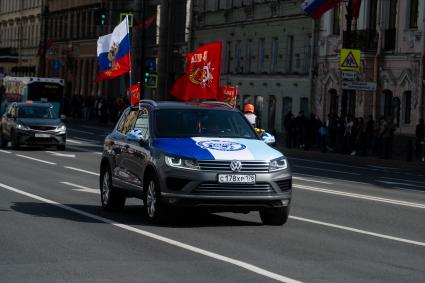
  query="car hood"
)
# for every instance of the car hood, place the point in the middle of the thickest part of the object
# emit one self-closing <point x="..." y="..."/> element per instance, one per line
<point x="39" y="122"/>
<point x="200" y="148"/>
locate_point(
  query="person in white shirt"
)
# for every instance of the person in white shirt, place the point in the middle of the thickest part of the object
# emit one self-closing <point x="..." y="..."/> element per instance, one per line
<point x="249" y="114"/>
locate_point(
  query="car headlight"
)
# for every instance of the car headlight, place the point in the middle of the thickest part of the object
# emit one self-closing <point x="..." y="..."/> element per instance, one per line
<point x="61" y="128"/>
<point x="278" y="164"/>
<point x="181" y="163"/>
<point x="22" y="127"/>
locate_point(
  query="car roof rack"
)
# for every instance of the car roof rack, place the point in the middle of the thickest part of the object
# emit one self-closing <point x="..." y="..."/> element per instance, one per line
<point x="217" y="102"/>
<point x="149" y="101"/>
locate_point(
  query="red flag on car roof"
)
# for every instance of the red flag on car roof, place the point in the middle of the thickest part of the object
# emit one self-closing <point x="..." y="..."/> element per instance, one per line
<point x="135" y="94"/>
<point x="202" y="77"/>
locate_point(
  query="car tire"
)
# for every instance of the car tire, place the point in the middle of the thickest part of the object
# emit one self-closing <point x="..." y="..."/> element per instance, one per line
<point x="153" y="207"/>
<point x="274" y="216"/>
<point x="61" y="147"/>
<point x="14" y="140"/>
<point x="111" y="199"/>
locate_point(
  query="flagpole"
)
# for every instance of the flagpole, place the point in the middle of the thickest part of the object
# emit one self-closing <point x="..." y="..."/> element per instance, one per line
<point x="129" y="45"/>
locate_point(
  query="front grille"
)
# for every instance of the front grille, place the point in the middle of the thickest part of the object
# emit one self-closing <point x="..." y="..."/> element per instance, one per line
<point x="243" y="189"/>
<point x="224" y="166"/>
<point x="42" y="128"/>
<point x="284" y="185"/>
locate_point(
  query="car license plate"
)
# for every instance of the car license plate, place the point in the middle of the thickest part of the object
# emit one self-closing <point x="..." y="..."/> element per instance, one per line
<point x="42" y="135"/>
<point x="236" y="179"/>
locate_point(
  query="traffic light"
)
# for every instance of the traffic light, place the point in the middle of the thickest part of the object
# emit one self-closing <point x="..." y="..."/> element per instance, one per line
<point x="101" y="16"/>
<point x="151" y="80"/>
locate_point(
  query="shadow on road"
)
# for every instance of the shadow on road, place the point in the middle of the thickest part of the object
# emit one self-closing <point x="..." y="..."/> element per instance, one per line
<point x="131" y="215"/>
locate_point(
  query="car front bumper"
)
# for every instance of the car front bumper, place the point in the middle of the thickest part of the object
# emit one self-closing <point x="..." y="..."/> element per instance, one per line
<point x="42" y="138"/>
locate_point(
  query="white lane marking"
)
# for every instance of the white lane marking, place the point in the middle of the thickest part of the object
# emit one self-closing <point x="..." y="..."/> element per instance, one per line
<point x="403" y="180"/>
<point x="383" y="167"/>
<point x="36" y="159"/>
<point x="88" y="140"/>
<point x="332" y="179"/>
<point x="327" y="170"/>
<point x="79" y="131"/>
<point x="398" y="183"/>
<point x="5" y="151"/>
<point x="359" y="196"/>
<point x="82" y="170"/>
<point x="311" y="180"/>
<point x="239" y="263"/>
<point x="61" y="154"/>
<point x="83" y="149"/>
<point x="364" y="232"/>
<point x="73" y="141"/>
<point x="81" y="188"/>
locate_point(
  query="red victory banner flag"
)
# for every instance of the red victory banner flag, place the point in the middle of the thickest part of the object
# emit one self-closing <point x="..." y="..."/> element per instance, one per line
<point x="135" y="94"/>
<point x="228" y="95"/>
<point x="202" y="77"/>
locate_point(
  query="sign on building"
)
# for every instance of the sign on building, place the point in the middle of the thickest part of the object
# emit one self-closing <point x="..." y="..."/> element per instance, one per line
<point x="356" y="85"/>
<point x="350" y="60"/>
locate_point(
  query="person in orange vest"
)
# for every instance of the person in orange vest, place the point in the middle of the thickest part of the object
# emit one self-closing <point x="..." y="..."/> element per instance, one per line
<point x="249" y="114"/>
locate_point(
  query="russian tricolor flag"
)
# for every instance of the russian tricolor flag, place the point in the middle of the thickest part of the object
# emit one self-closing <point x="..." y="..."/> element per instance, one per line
<point x="316" y="8"/>
<point x="113" y="52"/>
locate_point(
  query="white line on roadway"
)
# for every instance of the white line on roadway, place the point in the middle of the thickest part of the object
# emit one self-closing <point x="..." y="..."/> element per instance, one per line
<point x="239" y="263"/>
<point x="88" y="140"/>
<point x="5" y="151"/>
<point x="73" y="141"/>
<point x="82" y="170"/>
<point x="327" y="170"/>
<point x="332" y="179"/>
<point x="79" y="131"/>
<point x="60" y="154"/>
<point x="364" y="232"/>
<point x="81" y="188"/>
<point x="398" y="183"/>
<point x="83" y="149"/>
<point x="311" y="180"/>
<point x="367" y="197"/>
<point x="36" y="159"/>
<point x="403" y="180"/>
<point x="327" y="163"/>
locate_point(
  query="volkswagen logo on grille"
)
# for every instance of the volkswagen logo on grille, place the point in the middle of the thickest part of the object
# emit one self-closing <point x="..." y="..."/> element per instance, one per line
<point x="235" y="166"/>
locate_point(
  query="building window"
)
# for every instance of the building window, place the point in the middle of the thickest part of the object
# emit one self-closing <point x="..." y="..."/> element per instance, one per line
<point x="238" y="55"/>
<point x="272" y="114"/>
<point x="259" y="106"/>
<point x="373" y="9"/>
<point x="413" y="14"/>
<point x="261" y="55"/>
<point x="227" y="56"/>
<point x="290" y="53"/>
<point x="388" y="99"/>
<point x="275" y="54"/>
<point x="336" y="21"/>
<point x="304" y="104"/>
<point x="248" y="55"/>
<point x="407" y="102"/>
<point x="333" y="102"/>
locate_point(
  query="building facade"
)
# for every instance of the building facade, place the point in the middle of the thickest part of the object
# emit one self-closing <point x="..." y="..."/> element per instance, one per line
<point x="19" y="37"/>
<point x="267" y="53"/>
<point x="390" y="35"/>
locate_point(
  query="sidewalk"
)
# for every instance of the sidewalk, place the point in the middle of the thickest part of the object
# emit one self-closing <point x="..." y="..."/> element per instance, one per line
<point x="353" y="160"/>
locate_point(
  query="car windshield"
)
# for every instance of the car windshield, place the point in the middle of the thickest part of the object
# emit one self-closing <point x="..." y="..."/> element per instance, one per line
<point x="177" y="123"/>
<point x="36" y="112"/>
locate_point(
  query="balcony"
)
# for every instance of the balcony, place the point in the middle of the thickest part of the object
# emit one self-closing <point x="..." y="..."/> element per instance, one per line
<point x="365" y="40"/>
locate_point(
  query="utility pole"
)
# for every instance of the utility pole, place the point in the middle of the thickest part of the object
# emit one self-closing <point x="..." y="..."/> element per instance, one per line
<point x="346" y="43"/>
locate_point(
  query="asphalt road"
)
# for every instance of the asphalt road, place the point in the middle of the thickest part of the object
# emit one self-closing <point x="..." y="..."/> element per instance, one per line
<point x="348" y="223"/>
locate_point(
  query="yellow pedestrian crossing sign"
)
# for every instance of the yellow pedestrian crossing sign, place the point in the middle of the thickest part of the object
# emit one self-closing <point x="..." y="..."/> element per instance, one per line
<point x="350" y="60"/>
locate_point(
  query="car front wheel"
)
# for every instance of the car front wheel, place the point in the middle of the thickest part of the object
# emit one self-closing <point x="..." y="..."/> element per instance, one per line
<point x="274" y="216"/>
<point x="153" y="206"/>
<point x="111" y="199"/>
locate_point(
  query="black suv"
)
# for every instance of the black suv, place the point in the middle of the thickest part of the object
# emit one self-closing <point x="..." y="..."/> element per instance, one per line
<point x="203" y="155"/>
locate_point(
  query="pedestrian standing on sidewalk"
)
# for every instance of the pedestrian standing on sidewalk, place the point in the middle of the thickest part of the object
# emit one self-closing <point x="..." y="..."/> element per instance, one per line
<point x="420" y="138"/>
<point x="323" y="131"/>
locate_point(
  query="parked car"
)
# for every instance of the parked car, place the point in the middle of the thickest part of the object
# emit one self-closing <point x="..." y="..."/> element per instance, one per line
<point x="198" y="155"/>
<point x="28" y="123"/>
